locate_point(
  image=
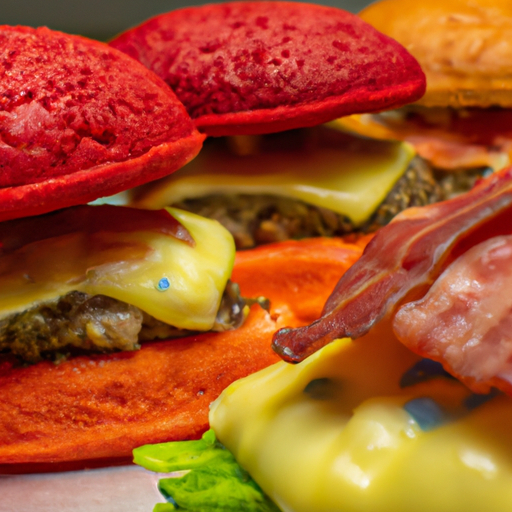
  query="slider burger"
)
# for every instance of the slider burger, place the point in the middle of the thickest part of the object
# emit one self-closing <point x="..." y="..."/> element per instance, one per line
<point x="368" y="424"/>
<point x="463" y="122"/>
<point x="254" y="75"/>
<point x="75" y="124"/>
<point x="81" y="120"/>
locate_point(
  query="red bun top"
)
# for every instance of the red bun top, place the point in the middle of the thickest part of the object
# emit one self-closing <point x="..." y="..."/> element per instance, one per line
<point x="256" y="67"/>
<point x="80" y="120"/>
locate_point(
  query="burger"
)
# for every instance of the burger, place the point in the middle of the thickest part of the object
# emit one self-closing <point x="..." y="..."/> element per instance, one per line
<point x="79" y="120"/>
<point x="462" y="123"/>
<point x="61" y="130"/>
<point x="414" y="410"/>
<point x="82" y="120"/>
<point x="307" y="180"/>
<point x="296" y="184"/>
<point x="367" y="424"/>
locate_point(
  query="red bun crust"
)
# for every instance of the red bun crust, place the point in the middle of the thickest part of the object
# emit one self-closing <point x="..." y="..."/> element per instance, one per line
<point x="256" y="67"/>
<point x="80" y="120"/>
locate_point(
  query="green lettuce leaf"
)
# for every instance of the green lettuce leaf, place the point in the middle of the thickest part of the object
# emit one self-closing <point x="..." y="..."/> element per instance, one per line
<point x="208" y="478"/>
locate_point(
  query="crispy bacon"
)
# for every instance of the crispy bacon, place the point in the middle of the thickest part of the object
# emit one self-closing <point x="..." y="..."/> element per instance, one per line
<point x="449" y="139"/>
<point x="89" y="219"/>
<point x="469" y="138"/>
<point x="465" y="321"/>
<point x="447" y="154"/>
<point x="403" y="258"/>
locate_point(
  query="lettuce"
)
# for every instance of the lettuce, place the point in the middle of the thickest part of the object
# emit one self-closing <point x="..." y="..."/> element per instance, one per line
<point x="206" y="477"/>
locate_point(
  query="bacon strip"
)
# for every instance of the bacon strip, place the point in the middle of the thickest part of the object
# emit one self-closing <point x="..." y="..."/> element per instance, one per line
<point x="465" y="321"/>
<point x="455" y="155"/>
<point x="404" y="256"/>
<point x="89" y="219"/>
<point x="449" y="139"/>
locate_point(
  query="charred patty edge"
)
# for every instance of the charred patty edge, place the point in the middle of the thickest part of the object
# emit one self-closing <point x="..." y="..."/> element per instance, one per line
<point x="80" y="323"/>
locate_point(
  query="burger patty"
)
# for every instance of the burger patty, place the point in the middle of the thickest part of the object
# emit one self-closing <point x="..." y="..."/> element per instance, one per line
<point x="81" y="322"/>
<point x="261" y="219"/>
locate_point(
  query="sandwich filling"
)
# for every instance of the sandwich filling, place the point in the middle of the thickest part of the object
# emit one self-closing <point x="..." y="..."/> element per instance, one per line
<point x="303" y="183"/>
<point x="458" y="140"/>
<point x="88" y="287"/>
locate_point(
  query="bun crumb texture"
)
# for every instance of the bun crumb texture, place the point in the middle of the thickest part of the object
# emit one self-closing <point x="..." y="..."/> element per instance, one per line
<point x="256" y="67"/>
<point x="465" y="48"/>
<point x="68" y="105"/>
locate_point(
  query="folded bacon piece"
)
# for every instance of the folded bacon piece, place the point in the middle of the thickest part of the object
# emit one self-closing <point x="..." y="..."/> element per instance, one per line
<point x="464" y="320"/>
<point x="261" y="67"/>
<point x="403" y="259"/>
<point x="102" y="406"/>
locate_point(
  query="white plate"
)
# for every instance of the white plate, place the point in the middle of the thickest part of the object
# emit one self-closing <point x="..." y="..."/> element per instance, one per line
<point x="117" y="489"/>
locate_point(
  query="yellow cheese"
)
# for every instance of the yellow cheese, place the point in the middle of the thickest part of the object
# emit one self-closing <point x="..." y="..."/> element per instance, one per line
<point x="332" y="434"/>
<point x="351" y="177"/>
<point x="376" y="126"/>
<point x="127" y="266"/>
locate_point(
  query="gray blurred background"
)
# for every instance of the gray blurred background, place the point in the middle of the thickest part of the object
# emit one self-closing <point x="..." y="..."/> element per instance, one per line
<point x="103" y="19"/>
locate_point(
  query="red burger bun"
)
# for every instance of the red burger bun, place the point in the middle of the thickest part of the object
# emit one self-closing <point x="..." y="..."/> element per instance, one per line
<point x="80" y="120"/>
<point x="260" y="67"/>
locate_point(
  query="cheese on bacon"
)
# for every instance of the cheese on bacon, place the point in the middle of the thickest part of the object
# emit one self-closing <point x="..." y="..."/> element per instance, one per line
<point x="367" y="425"/>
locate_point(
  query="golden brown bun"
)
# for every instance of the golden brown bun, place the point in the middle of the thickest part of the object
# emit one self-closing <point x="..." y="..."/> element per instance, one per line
<point x="464" y="47"/>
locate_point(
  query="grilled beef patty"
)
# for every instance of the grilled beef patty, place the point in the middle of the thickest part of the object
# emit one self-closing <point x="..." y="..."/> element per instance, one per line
<point x="261" y="219"/>
<point x="81" y="322"/>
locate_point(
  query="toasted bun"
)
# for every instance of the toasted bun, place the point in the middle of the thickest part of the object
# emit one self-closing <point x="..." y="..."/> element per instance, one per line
<point x="260" y="67"/>
<point x="103" y="406"/>
<point x="80" y="120"/>
<point x="464" y="47"/>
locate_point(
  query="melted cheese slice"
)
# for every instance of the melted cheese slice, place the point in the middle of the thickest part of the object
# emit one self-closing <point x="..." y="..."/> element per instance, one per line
<point x="127" y="266"/>
<point x="350" y="177"/>
<point x="333" y="434"/>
